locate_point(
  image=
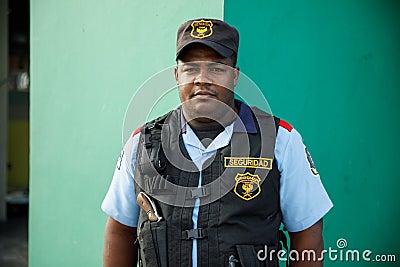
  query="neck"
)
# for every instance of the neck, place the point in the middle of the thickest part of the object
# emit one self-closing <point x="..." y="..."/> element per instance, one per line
<point x="225" y="120"/>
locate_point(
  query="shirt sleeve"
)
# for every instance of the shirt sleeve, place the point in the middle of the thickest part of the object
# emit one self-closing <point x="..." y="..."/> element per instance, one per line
<point x="303" y="197"/>
<point x="120" y="200"/>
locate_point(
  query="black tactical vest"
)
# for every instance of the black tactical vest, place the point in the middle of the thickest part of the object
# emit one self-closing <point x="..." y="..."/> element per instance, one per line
<point x="239" y="212"/>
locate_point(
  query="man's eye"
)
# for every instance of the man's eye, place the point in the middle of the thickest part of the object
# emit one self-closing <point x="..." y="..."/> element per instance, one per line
<point x="217" y="69"/>
<point x="190" y="69"/>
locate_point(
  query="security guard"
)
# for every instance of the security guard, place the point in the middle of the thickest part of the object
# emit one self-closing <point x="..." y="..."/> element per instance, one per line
<point x="209" y="184"/>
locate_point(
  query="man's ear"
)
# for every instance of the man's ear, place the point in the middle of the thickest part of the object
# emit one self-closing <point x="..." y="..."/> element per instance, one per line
<point x="176" y="74"/>
<point x="236" y="73"/>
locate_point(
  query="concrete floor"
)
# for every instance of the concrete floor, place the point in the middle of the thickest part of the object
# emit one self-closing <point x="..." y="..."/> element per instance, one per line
<point x="14" y="237"/>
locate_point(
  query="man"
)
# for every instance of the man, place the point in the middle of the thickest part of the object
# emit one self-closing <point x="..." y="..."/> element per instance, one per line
<point x="214" y="178"/>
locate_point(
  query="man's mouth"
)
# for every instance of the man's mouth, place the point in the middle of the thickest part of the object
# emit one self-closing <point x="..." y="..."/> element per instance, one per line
<point x="204" y="93"/>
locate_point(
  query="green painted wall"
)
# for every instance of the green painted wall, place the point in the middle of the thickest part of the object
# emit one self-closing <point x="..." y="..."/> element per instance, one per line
<point x="332" y="69"/>
<point x="87" y="59"/>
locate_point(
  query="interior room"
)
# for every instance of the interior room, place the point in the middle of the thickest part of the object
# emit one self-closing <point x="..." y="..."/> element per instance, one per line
<point x="14" y="132"/>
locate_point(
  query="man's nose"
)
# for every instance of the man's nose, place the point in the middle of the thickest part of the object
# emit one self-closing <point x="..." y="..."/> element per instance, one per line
<point x="202" y="78"/>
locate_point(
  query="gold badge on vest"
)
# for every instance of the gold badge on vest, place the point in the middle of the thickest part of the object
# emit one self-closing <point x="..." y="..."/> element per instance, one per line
<point x="247" y="185"/>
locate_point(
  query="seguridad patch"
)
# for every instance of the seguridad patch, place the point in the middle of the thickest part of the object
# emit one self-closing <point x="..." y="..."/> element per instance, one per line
<point x="239" y="162"/>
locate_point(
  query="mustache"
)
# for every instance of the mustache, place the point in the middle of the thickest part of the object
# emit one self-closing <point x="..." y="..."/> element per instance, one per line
<point x="204" y="90"/>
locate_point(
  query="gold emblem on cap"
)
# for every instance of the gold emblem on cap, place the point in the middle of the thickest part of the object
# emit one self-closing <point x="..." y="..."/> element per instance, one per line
<point x="247" y="185"/>
<point x="201" y="29"/>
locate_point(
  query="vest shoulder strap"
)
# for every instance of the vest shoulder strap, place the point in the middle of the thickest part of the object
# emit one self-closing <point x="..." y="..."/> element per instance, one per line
<point x="152" y="140"/>
<point x="260" y="113"/>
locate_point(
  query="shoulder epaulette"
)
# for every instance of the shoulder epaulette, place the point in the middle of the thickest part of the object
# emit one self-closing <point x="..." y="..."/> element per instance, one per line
<point x="285" y="125"/>
<point x="137" y="131"/>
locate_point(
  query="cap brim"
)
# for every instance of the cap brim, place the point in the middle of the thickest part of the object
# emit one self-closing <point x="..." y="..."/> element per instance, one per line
<point x="220" y="49"/>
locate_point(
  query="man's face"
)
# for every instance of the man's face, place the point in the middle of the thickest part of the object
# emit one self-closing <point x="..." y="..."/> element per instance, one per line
<point x="206" y="82"/>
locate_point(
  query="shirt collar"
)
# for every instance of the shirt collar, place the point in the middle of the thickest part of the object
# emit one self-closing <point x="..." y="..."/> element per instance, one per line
<point x="244" y="122"/>
<point x="223" y="139"/>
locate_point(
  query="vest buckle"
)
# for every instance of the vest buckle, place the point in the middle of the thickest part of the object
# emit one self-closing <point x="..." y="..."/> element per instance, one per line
<point x="198" y="192"/>
<point x="198" y="233"/>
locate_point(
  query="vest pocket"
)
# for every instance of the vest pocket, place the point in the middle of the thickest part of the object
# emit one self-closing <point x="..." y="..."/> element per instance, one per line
<point x="256" y="256"/>
<point x="153" y="244"/>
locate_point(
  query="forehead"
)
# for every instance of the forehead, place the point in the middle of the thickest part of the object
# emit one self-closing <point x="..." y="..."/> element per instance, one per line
<point x="200" y="52"/>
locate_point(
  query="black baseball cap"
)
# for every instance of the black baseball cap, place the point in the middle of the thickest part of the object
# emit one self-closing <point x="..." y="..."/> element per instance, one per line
<point x="214" y="33"/>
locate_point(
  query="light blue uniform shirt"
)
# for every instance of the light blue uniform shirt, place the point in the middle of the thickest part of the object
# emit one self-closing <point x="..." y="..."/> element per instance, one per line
<point x="303" y="199"/>
<point x="199" y="154"/>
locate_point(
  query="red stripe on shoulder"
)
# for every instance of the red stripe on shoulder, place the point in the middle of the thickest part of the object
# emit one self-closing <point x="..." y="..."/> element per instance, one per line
<point x="286" y="125"/>
<point x="137" y="131"/>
